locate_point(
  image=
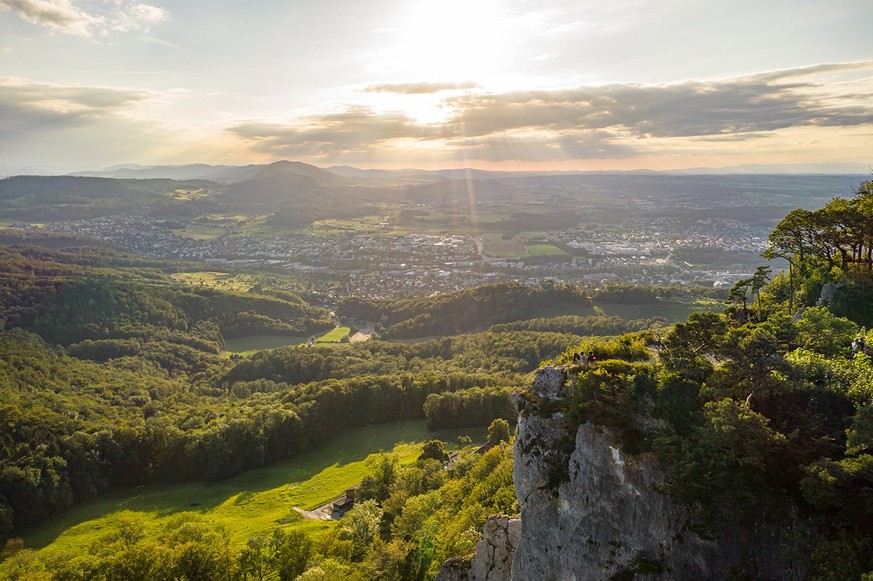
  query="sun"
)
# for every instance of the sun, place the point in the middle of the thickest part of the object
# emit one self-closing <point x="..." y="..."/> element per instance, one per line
<point x="450" y="40"/>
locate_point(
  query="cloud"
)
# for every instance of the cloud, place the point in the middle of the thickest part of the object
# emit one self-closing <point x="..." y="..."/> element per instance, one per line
<point x="64" y="125"/>
<point x="66" y="17"/>
<point x="591" y="122"/>
<point x="419" y="88"/>
<point x="39" y="100"/>
<point x="746" y="105"/>
<point x="136" y="17"/>
<point x="58" y="15"/>
<point x="812" y="110"/>
<point x="354" y="129"/>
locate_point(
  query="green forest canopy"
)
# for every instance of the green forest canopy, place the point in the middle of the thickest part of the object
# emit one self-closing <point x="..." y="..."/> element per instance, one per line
<point x="765" y="409"/>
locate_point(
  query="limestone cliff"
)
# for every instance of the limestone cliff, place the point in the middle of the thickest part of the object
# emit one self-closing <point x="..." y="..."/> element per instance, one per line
<point x="493" y="558"/>
<point x="591" y="511"/>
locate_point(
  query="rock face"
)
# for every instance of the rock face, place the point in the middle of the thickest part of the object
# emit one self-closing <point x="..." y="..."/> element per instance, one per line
<point x="590" y="511"/>
<point x="494" y="553"/>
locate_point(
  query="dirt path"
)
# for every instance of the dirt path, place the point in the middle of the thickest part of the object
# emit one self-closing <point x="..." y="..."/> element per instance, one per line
<point x="320" y="513"/>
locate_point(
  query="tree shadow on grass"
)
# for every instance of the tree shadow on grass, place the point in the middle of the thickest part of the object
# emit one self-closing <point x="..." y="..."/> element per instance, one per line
<point x="163" y="500"/>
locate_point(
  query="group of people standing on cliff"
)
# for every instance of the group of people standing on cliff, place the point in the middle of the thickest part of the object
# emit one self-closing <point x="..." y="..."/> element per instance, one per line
<point x="582" y="361"/>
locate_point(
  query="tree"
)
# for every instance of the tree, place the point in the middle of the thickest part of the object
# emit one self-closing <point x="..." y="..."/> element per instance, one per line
<point x="820" y="330"/>
<point x="394" y="561"/>
<point x="290" y="553"/>
<point x="739" y="294"/>
<point x="434" y="449"/>
<point x="690" y="342"/>
<point x="361" y="525"/>
<point x="743" y="435"/>
<point x="255" y="558"/>
<point x="722" y="467"/>
<point x="759" y="281"/>
<point x="498" y="431"/>
<point x="860" y="435"/>
<point x="792" y="240"/>
<point x="383" y="473"/>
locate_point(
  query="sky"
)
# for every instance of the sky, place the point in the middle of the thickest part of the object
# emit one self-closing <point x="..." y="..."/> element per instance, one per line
<point x="491" y="84"/>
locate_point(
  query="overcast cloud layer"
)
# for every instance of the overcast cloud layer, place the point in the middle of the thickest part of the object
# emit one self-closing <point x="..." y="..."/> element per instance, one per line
<point x="492" y="84"/>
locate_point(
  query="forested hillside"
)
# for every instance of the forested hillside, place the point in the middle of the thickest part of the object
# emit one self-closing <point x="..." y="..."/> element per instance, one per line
<point x="69" y="198"/>
<point x="763" y="413"/>
<point x="462" y="311"/>
<point x="111" y="375"/>
<point x="104" y="297"/>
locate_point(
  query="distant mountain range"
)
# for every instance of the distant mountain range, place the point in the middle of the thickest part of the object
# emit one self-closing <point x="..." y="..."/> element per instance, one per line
<point x="296" y="194"/>
<point x="227" y="174"/>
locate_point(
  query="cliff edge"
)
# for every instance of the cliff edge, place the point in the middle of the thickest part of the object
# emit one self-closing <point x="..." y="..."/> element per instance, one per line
<point x="591" y="511"/>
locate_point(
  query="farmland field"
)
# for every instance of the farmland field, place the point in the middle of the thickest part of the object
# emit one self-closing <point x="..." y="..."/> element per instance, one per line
<point x="362" y="225"/>
<point x="544" y="250"/>
<point x="505" y="248"/>
<point x="497" y="247"/>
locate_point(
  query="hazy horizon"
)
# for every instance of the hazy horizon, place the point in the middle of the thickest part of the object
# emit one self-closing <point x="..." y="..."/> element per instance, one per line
<point x="747" y="169"/>
<point x="508" y="86"/>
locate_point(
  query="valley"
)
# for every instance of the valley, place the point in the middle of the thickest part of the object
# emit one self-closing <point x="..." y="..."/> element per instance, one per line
<point x="425" y="232"/>
<point x="192" y="385"/>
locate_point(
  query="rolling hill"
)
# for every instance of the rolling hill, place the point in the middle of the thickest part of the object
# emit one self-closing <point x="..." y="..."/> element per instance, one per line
<point x="295" y="193"/>
<point x="72" y="197"/>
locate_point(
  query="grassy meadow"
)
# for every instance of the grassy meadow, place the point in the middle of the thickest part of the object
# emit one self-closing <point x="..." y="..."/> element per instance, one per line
<point x="247" y="504"/>
<point x="361" y="225"/>
<point x="250" y="344"/>
<point x="218" y="280"/>
<point x="544" y="250"/>
<point x="334" y="335"/>
<point x="253" y="343"/>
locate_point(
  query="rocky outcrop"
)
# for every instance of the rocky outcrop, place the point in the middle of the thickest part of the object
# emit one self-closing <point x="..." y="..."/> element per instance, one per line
<point x="494" y="554"/>
<point x="591" y="511"/>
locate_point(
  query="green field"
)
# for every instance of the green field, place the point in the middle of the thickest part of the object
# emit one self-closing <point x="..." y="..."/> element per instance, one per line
<point x="254" y="343"/>
<point x="434" y="221"/>
<point x="518" y="249"/>
<point x="182" y="194"/>
<point x="505" y="249"/>
<point x="254" y="502"/>
<point x="362" y="225"/>
<point x="220" y="280"/>
<point x="333" y="336"/>
<point x="544" y="250"/>
<point x="496" y="246"/>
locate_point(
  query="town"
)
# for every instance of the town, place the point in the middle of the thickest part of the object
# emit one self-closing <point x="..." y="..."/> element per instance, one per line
<point x="651" y="250"/>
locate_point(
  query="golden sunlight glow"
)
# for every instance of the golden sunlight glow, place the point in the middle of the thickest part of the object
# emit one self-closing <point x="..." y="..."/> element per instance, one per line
<point x="450" y="40"/>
